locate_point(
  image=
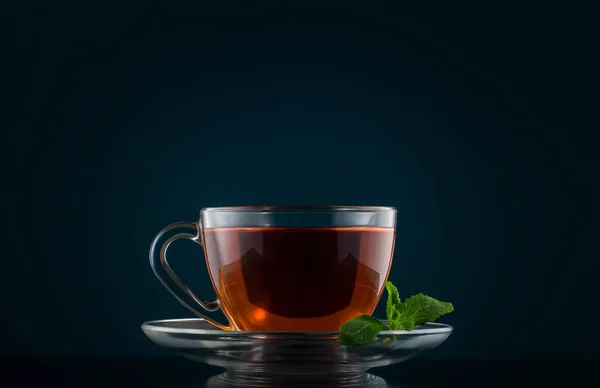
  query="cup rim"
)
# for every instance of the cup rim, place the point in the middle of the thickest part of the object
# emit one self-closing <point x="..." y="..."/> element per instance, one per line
<point x="275" y="209"/>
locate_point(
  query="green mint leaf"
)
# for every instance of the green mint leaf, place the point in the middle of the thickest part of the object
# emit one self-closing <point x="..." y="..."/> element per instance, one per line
<point x="399" y="317"/>
<point x="424" y="308"/>
<point x="360" y="330"/>
<point x="404" y="323"/>
<point x="393" y="305"/>
<point x="416" y="310"/>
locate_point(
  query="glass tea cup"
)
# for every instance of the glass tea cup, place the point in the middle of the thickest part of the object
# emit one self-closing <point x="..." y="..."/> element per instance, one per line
<point x="293" y="269"/>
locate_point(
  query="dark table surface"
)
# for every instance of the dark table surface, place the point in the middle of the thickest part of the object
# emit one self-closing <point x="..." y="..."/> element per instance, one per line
<point x="178" y="372"/>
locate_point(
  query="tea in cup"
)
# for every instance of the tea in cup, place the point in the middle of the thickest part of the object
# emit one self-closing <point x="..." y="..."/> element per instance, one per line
<point x="296" y="269"/>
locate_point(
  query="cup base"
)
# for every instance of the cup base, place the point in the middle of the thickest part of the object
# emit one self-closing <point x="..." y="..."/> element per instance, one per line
<point x="265" y="379"/>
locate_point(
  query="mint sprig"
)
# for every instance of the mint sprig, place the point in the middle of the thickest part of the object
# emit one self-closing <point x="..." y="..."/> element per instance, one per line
<point x="416" y="310"/>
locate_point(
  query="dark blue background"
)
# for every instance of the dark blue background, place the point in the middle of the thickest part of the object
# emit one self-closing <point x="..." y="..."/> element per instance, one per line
<point x="471" y="120"/>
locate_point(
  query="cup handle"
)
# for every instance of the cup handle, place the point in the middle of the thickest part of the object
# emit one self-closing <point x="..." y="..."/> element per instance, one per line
<point x="158" y="259"/>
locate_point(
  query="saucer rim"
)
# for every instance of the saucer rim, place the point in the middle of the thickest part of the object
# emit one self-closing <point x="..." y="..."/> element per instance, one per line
<point x="438" y="328"/>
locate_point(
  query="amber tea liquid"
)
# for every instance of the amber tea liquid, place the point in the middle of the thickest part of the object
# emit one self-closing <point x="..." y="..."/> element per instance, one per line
<point x="298" y="279"/>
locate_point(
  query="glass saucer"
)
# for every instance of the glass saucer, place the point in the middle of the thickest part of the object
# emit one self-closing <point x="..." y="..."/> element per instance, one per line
<point x="251" y="357"/>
